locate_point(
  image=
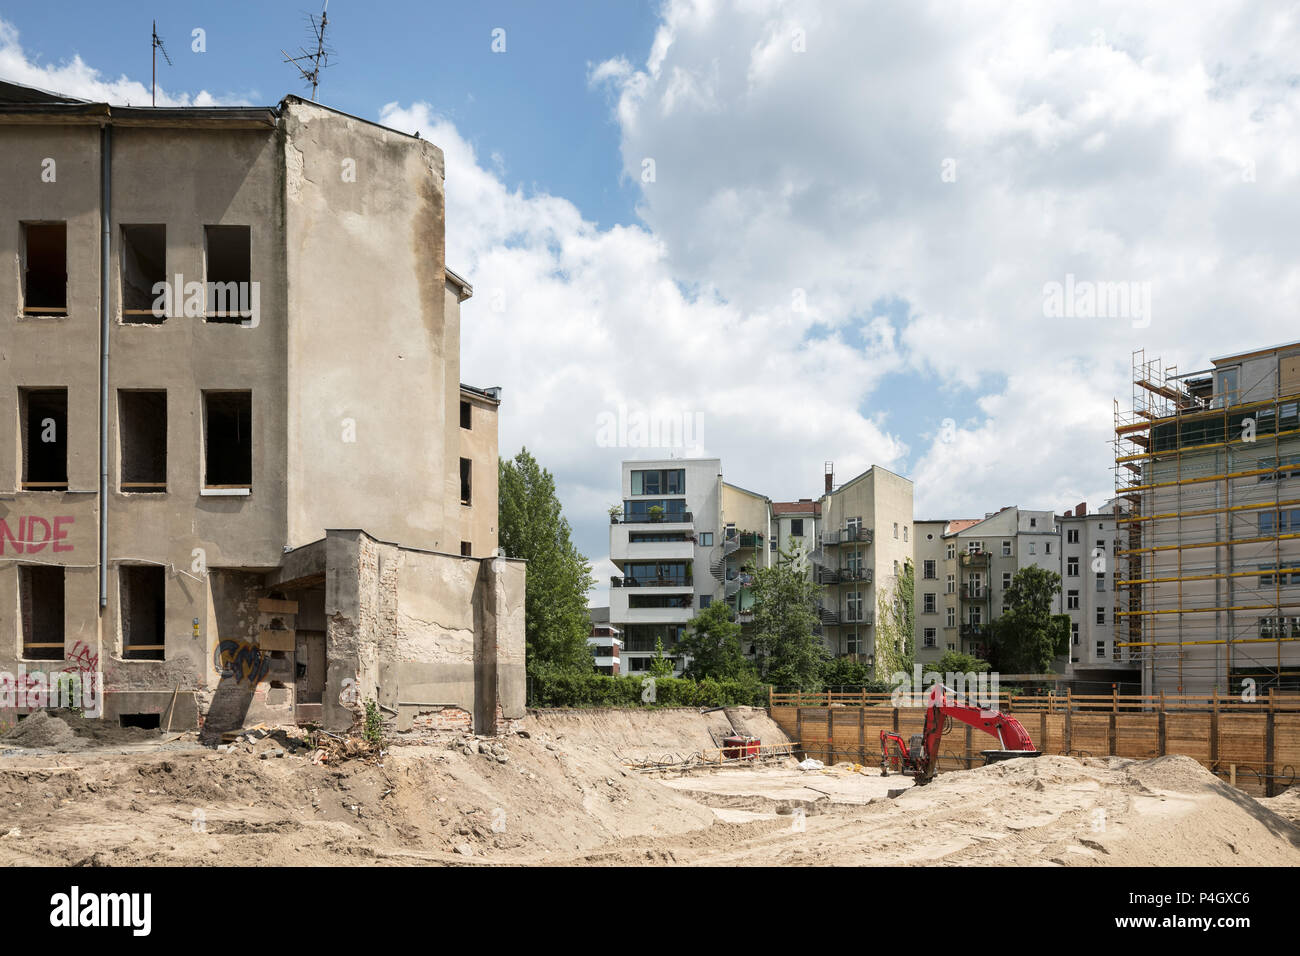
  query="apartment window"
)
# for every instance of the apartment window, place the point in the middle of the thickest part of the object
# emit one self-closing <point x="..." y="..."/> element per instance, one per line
<point x="852" y="643"/>
<point x="952" y="584"/>
<point x="1101" y="580"/>
<point x="929" y="569"/>
<point x="142" y="441"/>
<point x="931" y="637"/>
<point x="466" y="550"/>
<point x="1072" y="600"/>
<point x="951" y="552"/>
<point x="466" y="415"/>
<point x="796" y="527"/>
<point x="706" y="539"/>
<point x="952" y="646"/>
<point x="853" y="606"/>
<point x="1032" y="548"/>
<point x="895" y="529"/>
<point x="1101" y="544"/>
<point x="44" y="424"/>
<point x="45" y="268"/>
<point x="951" y="619"/>
<point x="1047" y="547"/>
<point x="671" y="481"/>
<point x="1101" y="650"/>
<point x="1033" y="522"/>
<point x="705" y="600"/>
<point x="1101" y="615"/>
<point x="144" y="265"/>
<point x="930" y="605"/>
<point x="974" y="547"/>
<point x="40" y="610"/>
<point x="1074" y="634"/>
<point x="1072" y="567"/>
<point x="1006" y="549"/>
<point x="466" y="480"/>
<point x="1072" y="536"/>
<point x="229" y="272"/>
<point x="1006" y="580"/>
<point x="142" y="611"/>
<point x="904" y="532"/>
<point x="228" y="440"/>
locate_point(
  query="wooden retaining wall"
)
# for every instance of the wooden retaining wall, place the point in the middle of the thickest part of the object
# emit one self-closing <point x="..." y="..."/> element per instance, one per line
<point x="1253" y="745"/>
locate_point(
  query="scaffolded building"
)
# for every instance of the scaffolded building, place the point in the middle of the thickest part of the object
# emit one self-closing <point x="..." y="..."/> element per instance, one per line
<point x="1208" y="576"/>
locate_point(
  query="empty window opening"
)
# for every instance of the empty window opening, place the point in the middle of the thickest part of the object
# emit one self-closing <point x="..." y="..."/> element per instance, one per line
<point x="40" y="608"/>
<point x="147" y="721"/>
<point x="142" y="593"/>
<point x="144" y="265"/>
<point x="466" y="415"/>
<point x="44" y="423"/>
<point x="228" y="439"/>
<point x="45" y="272"/>
<point x="142" y="431"/>
<point x="466" y="550"/>
<point x="465" y="476"/>
<point x="229" y="272"/>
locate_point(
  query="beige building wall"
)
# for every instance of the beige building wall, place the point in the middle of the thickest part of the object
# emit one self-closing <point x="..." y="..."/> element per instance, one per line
<point x="478" y="443"/>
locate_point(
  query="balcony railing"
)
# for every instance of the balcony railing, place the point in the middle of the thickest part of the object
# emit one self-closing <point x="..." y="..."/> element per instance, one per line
<point x="975" y="559"/>
<point x="664" y="582"/>
<point x="972" y="592"/>
<point x="855" y="574"/>
<point x="668" y="517"/>
<point x="973" y="631"/>
<point x="746" y="539"/>
<point x="848" y="535"/>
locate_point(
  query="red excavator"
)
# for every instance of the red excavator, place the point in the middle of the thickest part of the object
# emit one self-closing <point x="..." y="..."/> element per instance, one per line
<point x="920" y="756"/>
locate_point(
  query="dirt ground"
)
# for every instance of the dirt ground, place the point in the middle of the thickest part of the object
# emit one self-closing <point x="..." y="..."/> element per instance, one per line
<point x="564" y="791"/>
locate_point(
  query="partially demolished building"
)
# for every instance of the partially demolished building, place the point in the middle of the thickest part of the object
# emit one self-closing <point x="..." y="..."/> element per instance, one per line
<point x="240" y="479"/>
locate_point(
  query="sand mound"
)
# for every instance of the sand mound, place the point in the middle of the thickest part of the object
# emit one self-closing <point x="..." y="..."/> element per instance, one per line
<point x="1286" y="804"/>
<point x="40" y="731"/>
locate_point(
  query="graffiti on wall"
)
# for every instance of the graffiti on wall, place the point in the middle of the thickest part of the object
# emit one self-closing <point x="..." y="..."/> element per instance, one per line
<point x="242" y="661"/>
<point x="33" y="534"/>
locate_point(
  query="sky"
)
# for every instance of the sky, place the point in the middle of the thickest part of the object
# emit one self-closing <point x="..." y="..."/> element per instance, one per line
<point x="813" y="230"/>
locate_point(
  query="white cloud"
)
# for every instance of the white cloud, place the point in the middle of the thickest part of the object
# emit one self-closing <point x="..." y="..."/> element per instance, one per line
<point x="76" y="78"/>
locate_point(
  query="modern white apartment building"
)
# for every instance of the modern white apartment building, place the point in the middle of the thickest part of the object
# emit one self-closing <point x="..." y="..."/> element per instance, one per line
<point x="664" y="543"/>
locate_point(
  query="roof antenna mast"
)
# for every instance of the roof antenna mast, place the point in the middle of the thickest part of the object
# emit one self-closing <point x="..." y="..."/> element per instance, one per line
<point x="157" y="45"/>
<point x="318" y="59"/>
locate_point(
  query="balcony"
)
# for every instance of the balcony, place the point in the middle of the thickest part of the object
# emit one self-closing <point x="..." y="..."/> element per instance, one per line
<point x="973" y="632"/>
<point x="671" y="581"/>
<point x="974" y="592"/>
<point x="667" y="517"/>
<point x="855" y="574"/>
<point x="976" y="559"/>
<point x="745" y="539"/>
<point x="848" y="535"/>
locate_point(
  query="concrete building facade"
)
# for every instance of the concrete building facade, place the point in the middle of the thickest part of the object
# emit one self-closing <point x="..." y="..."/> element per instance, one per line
<point x="231" y="336"/>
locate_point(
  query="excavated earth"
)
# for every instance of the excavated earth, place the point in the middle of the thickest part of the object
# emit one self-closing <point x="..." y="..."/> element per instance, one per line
<point x="565" y="790"/>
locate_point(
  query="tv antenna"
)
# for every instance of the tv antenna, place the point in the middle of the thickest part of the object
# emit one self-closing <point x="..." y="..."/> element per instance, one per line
<point x="157" y="45"/>
<point x="320" y="58"/>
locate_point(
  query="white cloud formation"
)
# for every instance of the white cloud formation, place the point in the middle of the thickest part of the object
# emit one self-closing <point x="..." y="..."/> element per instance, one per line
<point x="76" y="78"/>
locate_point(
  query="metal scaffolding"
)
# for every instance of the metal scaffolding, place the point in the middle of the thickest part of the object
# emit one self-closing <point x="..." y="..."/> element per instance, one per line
<point x="1208" y="577"/>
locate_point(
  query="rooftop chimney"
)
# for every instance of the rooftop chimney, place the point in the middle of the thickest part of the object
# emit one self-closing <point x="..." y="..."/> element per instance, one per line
<point x="830" y="476"/>
<point x="1082" y="509"/>
<point x="1068" y="513"/>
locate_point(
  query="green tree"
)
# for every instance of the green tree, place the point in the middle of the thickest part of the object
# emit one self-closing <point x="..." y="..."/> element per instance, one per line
<point x="785" y="613"/>
<point x="895" y="625"/>
<point x="712" y="644"/>
<point x="1027" y="635"/>
<point x="660" y="666"/>
<point x="955" y="662"/>
<point x="532" y="527"/>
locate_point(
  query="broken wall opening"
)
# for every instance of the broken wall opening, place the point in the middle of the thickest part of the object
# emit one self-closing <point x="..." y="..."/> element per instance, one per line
<point x="45" y="272"/>
<point x="144" y="265"/>
<point x="229" y="267"/>
<point x="143" y="604"/>
<point x="43" y="414"/>
<point x="466" y="481"/>
<point x="142" y="441"/>
<point x="228" y="439"/>
<point x="40" y="610"/>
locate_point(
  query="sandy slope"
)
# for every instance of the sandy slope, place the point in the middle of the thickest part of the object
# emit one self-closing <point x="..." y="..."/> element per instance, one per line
<point x="563" y="795"/>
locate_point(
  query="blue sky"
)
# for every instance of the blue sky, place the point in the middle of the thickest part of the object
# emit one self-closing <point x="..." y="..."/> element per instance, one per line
<point x="532" y="104"/>
<point x="823" y="226"/>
